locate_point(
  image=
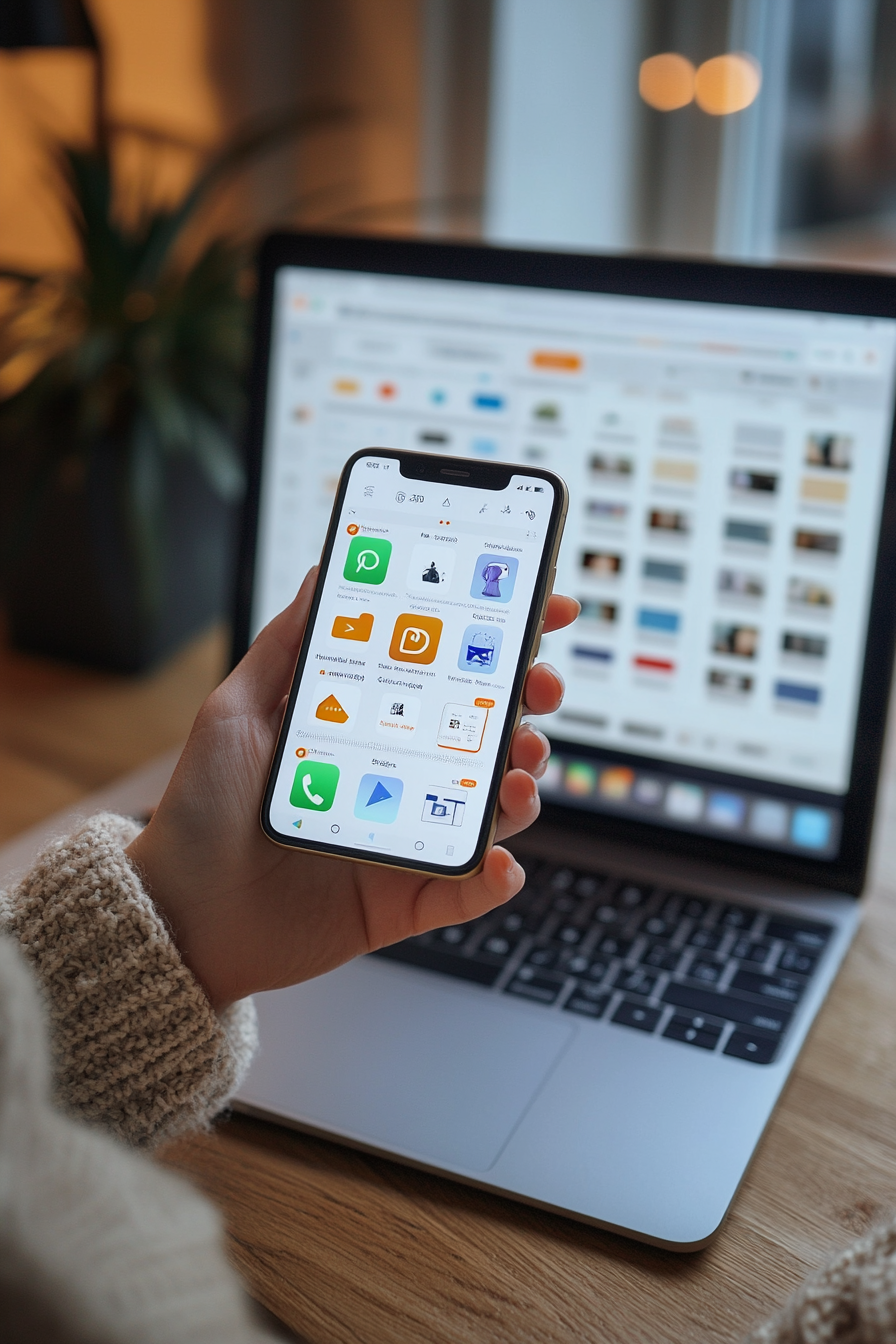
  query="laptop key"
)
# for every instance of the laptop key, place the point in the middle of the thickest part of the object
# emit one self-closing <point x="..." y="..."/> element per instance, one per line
<point x="747" y="1045"/>
<point x="633" y="1014"/>
<point x="454" y="935"/>
<point x="529" y="984"/>
<point x="738" y="917"/>
<point x="766" y="1017"/>
<point x="691" y="906"/>
<point x="658" y="927"/>
<point x="569" y="935"/>
<point x="662" y="957"/>
<point x="693" y="1030"/>
<point x="751" y="949"/>
<point x="588" y="1001"/>
<point x="590" y="884"/>
<point x="542" y="956"/>
<point x="629" y="896"/>
<point x="637" y="981"/>
<point x="614" y="947"/>
<point x="707" y="972"/>
<point x="795" y="959"/>
<point x="805" y="934"/>
<point x="707" y="939"/>
<point x="781" y="988"/>
<point x="498" y="945"/>
<point x="426" y="958"/>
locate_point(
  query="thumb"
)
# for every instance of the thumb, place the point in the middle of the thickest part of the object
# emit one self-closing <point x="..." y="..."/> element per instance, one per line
<point x="262" y="677"/>
<point x="443" y="902"/>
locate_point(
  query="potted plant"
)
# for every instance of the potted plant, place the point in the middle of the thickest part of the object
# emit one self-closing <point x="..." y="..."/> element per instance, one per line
<point x="119" y="461"/>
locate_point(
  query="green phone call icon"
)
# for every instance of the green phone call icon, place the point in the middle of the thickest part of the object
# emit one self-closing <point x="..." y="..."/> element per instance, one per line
<point x="367" y="560"/>
<point x="314" y="785"/>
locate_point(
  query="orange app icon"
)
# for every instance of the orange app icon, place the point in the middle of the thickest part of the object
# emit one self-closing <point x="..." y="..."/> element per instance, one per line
<point x="331" y="711"/>
<point x="353" y="627"/>
<point x="415" y="639"/>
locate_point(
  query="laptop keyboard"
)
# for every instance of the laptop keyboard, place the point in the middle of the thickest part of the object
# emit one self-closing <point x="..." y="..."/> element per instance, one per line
<point x="704" y="972"/>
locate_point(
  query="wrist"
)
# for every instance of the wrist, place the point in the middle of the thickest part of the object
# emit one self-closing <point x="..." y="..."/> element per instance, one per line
<point x="146" y="853"/>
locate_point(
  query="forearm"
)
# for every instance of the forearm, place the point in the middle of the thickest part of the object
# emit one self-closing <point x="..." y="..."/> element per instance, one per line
<point x="136" y="1043"/>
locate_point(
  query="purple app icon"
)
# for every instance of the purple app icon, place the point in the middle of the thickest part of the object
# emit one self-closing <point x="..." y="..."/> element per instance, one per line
<point x="494" y="577"/>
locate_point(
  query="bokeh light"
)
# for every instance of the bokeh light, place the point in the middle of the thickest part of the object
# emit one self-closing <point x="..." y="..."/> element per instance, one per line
<point x="727" y="84"/>
<point x="666" y="81"/>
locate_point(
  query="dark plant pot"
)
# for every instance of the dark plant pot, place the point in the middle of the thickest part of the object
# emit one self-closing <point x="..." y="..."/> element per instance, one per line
<point x="73" y="591"/>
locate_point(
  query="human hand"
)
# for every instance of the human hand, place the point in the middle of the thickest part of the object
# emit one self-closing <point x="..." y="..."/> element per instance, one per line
<point x="248" y="915"/>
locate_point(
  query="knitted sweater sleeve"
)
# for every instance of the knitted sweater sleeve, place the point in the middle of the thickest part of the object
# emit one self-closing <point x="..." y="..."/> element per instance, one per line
<point x="136" y="1044"/>
<point x="851" y="1300"/>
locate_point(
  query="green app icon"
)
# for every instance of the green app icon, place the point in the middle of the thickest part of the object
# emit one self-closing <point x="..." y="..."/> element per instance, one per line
<point x="314" y="786"/>
<point x="367" y="560"/>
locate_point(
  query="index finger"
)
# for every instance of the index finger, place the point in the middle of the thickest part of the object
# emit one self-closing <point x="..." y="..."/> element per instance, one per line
<point x="561" y="611"/>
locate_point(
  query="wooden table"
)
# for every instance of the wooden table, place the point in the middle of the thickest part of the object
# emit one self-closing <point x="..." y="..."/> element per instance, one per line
<point x="346" y="1247"/>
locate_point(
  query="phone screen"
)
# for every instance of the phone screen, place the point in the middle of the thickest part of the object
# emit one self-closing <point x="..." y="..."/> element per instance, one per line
<point x="409" y="680"/>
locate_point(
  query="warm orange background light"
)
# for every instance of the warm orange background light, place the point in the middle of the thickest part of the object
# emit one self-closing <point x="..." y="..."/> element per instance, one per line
<point x="666" y="81"/>
<point x="727" y="84"/>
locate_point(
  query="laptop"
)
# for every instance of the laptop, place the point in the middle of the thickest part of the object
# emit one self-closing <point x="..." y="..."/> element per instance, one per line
<point x="611" y="1044"/>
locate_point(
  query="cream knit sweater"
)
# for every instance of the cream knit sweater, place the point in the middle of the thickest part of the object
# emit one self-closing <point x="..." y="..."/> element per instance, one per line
<point x="97" y="1244"/>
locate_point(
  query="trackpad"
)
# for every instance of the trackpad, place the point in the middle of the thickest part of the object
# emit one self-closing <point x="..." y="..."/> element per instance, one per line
<point x="403" y="1059"/>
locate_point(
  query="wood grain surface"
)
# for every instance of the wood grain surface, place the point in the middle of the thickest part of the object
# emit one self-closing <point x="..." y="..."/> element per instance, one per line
<point x="345" y="1247"/>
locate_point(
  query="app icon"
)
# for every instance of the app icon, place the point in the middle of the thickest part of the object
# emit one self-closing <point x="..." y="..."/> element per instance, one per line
<point x="684" y="801"/>
<point x="367" y="560"/>
<point x="480" y="648"/>
<point x="726" y="810"/>
<point x="378" y="799"/>
<point x="415" y="639"/>
<point x="581" y="779"/>
<point x="430" y="569"/>
<point x="810" y="827"/>
<point x="398" y="713"/>
<point x="494" y="577"/>
<point x="769" y="819"/>
<point x="357" y="627"/>
<point x="314" y="786"/>
<point x="331" y="711"/>
<point x="462" y="726"/>
<point x="336" y="707"/>
<point x="616" y="783"/>
<point x="444" y="807"/>
<point x="647" y="791"/>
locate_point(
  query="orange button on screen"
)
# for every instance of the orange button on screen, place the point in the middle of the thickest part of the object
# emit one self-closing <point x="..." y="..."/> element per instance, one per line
<point x="563" y="360"/>
<point x="353" y="627"/>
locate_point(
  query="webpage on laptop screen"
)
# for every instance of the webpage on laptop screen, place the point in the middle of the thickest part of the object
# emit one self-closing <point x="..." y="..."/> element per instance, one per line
<point x="726" y="468"/>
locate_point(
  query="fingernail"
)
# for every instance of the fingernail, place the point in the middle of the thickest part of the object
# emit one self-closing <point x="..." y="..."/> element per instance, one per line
<point x="560" y="682"/>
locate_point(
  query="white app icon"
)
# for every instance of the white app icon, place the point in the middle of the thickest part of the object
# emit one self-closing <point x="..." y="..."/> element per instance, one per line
<point x="431" y="568"/>
<point x="462" y="727"/>
<point x="398" y="713"/>
<point x="444" y="807"/>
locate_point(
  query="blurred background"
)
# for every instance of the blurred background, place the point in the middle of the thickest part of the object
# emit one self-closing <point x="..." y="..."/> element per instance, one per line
<point x="146" y="147"/>
<point x="515" y="120"/>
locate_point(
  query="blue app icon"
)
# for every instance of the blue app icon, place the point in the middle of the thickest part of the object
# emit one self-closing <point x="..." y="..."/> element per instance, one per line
<point x="494" y="577"/>
<point x="378" y="799"/>
<point x="810" y="827"/>
<point x="480" y="648"/>
<point x="726" y="810"/>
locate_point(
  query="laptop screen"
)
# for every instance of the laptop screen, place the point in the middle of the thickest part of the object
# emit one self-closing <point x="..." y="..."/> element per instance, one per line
<point x="726" y="467"/>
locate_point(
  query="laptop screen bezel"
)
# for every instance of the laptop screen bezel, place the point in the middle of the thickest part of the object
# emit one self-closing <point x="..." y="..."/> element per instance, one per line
<point x="817" y="290"/>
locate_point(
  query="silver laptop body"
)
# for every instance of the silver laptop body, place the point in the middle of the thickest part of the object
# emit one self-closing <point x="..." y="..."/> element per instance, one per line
<point x="611" y="1044"/>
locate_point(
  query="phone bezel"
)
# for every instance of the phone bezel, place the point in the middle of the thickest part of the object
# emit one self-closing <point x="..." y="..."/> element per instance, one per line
<point x="481" y="476"/>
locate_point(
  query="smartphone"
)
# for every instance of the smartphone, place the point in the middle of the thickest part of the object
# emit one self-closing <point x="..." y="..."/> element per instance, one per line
<point x="427" y="614"/>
